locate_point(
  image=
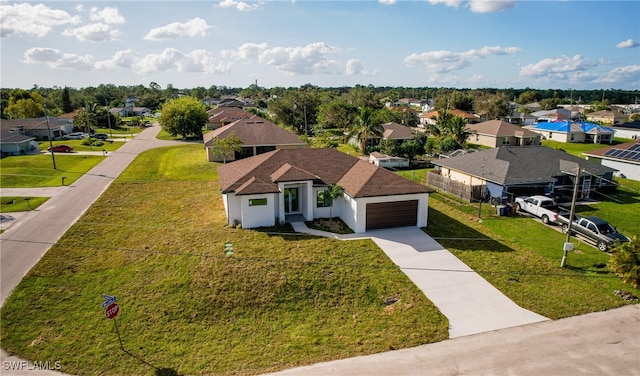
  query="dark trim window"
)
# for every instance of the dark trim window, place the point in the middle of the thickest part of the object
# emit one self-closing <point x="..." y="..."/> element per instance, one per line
<point x="322" y="199"/>
<point x="257" y="201"/>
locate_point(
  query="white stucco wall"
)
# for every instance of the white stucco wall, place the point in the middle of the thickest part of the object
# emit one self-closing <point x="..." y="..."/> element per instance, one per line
<point x="359" y="207"/>
<point x="258" y="215"/>
<point x="630" y="171"/>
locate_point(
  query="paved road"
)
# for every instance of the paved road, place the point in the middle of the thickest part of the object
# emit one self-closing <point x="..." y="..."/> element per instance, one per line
<point x="27" y="240"/>
<point x="599" y="344"/>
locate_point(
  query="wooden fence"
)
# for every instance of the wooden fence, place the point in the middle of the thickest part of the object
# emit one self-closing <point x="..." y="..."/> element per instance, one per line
<point x="465" y="192"/>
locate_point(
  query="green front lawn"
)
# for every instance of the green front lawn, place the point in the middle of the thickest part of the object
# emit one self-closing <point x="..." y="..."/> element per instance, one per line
<point x="521" y="257"/>
<point x="156" y="240"/>
<point x="27" y="171"/>
<point x="9" y="204"/>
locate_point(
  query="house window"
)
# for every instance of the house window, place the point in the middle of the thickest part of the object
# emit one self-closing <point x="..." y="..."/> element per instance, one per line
<point x="323" y="200"/>
<point x="257" y="201"/>
<point x="477" y="137"/>
<point x="505" y="141"/>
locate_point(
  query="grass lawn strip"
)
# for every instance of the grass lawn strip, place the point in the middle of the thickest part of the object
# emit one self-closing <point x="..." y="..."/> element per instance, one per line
<point x="521" y="258"/>
<point x="156" y="241"/>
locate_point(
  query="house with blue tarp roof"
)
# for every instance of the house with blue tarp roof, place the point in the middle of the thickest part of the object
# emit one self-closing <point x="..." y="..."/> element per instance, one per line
<point x="573" y="131"/>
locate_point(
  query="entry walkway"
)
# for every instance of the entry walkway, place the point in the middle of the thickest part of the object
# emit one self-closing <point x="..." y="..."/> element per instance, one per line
<point x="471" y="304"/>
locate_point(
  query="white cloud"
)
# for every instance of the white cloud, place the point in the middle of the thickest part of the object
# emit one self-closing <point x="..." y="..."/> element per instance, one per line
<point x="109" y="15"/>
<point x="56" y="59"/>
<point x="309" y="59"/>
<point x="387" y="2"/>
<point x="557" y="68"/>
<point x="490" y="6"/>
<point x="240" y="5"/>
<point x="449" y="3"/>
<point x="172" y="59"/>
<point x="30" y="19"/>
<point x="629" y="74"/>
<point x="629" y="43"/>
<point x="356" y="67"/>
<point x="446" y="61"/>
<point x="191" y="28"/>
<point x="478" y="6"/>
<point x="246" y="51"/>
<point x="121" y="59"/>
<point x="92" y="33"/>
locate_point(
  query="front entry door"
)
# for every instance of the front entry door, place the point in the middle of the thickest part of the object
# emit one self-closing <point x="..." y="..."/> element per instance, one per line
<point x="291" y="204"/>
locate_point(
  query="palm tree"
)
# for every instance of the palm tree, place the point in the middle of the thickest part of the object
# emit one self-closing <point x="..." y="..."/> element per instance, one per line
<point x="458" y="129"/>
<point x="366" y="127"/>
<point x="333" y="192"/>
<point x="86" y="117"/>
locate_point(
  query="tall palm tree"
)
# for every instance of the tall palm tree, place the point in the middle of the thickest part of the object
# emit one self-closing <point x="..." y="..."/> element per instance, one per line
<point x="366" y="127"/>
<point x="86" y="118"/>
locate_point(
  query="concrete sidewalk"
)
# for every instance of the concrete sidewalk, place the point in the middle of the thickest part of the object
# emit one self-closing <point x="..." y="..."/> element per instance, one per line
<point x="471" y="304"/>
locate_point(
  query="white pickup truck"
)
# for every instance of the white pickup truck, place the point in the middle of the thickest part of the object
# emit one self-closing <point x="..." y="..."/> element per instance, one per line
<point x="540" y="206"/>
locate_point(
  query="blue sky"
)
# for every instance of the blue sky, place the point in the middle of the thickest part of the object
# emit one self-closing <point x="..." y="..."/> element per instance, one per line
<point x="436" y="43"/>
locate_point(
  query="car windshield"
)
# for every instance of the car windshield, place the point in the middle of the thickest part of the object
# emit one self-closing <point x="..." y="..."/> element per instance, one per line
<point x="606" y="228"/>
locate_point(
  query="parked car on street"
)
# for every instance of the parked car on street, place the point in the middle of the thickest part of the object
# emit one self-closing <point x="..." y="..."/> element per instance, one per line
<point x="75" y="136"/>
<point x="594" y="230"/>
<point x="61" y="149"/>
<point x="100" y="136"/>
<point x="541" y="206"/>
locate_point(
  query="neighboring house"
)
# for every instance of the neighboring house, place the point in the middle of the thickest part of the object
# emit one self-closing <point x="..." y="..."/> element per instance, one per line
<point x="557" y="114"/>
<point x="399" y="132"/>
<point x="432" y="117"/>
<point x="387" y="161"/>
<point x="291" y="184"/>
<point x="258" y="136"/>
<point x="629" y="130"/>
<point x="521" y="118"/>
<point x="567" y="131"/>
<point x="509" y="171"/>
<point x="12" y="143"/>
<point x="41" y="128"/>
<point x="607" y="117"/>
<point x="221" y="116"/>
<point x="623" y="157"/>
<point x="494" y="133"/>
<point x="391" y="131"/>
<point x="130" y="111"/>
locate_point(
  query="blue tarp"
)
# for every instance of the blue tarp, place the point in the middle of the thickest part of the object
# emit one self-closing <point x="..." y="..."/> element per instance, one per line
<point x="565" y="126"/>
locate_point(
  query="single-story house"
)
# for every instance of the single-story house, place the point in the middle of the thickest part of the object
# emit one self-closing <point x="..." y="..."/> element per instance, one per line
<point x="623" y="157"/>
<point x="520" y="118"/>
<point x="494" y="133"/>
<point x="432" y="117"/>
<point x="607" y="117"/>
<point x="258" y="136"/>
<point x="509" y="171"/>
<point x="12" y="143"/>
<point x="629" y="130"/>
<point x="221" y="116"/>
<point x="391" y="131"/>
<point x="388" y="161"/>
<point x="42" y="128"/>
<point x="557" y="114"/>
<point x="130" y="111"/>
<point x="286" y="184"/>
<point x="567" y="131"/>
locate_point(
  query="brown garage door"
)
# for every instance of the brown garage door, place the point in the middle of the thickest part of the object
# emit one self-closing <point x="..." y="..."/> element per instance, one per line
<point x="392" y="214"/>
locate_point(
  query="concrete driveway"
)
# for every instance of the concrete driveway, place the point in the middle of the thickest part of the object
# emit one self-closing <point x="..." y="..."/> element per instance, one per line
<point x="471" y="304"/>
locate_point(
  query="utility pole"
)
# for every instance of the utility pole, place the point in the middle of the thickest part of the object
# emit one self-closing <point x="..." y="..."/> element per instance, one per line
<point x="53" y="158"/>
<point x="568" y="246"/>
<point x="106" y="102"/>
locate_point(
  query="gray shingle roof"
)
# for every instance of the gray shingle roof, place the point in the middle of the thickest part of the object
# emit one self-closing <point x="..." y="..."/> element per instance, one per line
<point x="510" y="165"/>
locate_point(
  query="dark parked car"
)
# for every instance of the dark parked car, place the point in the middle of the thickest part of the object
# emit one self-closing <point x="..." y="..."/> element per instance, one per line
<point x="100" y="136"/>
<point x="61" y="149"/>
<point x="593" y="229"/>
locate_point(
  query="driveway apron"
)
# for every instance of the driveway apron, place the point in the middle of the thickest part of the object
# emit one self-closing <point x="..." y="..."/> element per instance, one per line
<point x="471" y="304"/>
